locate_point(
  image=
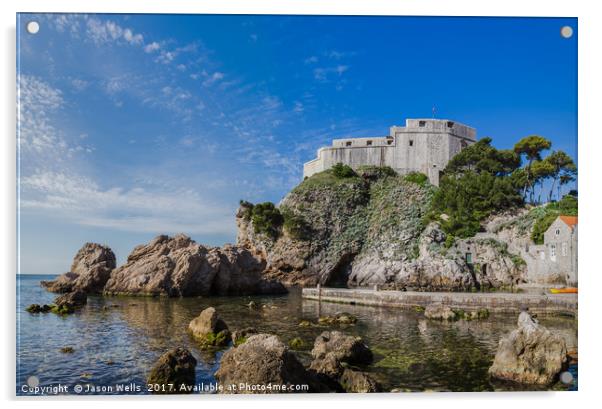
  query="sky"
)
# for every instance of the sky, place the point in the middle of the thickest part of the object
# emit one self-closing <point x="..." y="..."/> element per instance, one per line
<point x="130" y="126"/>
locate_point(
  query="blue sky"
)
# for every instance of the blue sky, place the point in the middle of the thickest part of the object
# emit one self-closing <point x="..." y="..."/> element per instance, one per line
<point x="136" y="125"/>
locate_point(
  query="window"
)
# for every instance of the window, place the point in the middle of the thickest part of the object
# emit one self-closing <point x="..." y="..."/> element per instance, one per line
<point x="348" y="143"/>
<point x="411" y="142"/>
<point x="564" y="249"/>
<point x="558" y="232"/>
<point x="422" y="124"/>
<point x="553" y="252"/>
<point x="369" y="143"/>
<point x="450" y="124"/>
<point x="468" y="258"/>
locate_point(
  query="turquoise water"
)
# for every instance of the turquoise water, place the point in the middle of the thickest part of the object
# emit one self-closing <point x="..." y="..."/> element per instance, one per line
<point x="117" y="339"/>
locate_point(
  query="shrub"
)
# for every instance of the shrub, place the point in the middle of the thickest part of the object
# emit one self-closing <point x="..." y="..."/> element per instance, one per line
<point x="342" y="171"/>
<point x="295" y="225"/>
<point x="416" y="177"/>
<point x="247" y="209"/>
<point x="266" y="219"/>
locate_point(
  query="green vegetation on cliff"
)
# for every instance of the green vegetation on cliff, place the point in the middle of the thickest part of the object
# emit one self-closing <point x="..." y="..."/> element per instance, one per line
<point x="545" y="216"/>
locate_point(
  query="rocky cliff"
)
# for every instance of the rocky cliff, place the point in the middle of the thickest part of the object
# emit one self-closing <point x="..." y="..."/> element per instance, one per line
<point x="368" y="229"/>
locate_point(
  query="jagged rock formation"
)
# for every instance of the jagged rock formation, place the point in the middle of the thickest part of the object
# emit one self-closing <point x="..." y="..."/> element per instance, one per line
<point x="178" y="266"/>
<point x="90" y="270"/>
<point x="369" y="229"/>
<point x="530" y="354"/>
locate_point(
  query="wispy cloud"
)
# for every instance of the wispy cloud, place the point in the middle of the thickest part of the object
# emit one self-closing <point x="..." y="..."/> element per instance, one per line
<point x="106" y="31"/>
<point x="83" y="201"/>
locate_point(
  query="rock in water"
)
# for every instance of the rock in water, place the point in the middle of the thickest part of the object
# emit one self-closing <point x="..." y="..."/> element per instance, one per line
<point x="264" y="363"/>
<point x="241" y="336"/>
<point x="358" y="382"/>
<point x="179" y="267"/>
<point x="68" y="303"/>
<point x="90" y="270"/>
<point x="209" y="328"/>
<point x="530" y="354"/>
<point x="439" y="312"/>
<point x="334" y="349"/>
<point x="343" y="348"/>
<point x="175" y="367"/>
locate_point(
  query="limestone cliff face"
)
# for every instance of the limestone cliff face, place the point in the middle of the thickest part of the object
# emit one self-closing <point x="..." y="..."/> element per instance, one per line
<point x="367" y="230"/>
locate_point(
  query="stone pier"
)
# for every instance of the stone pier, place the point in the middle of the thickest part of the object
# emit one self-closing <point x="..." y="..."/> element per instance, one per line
<point x="553" y="304"/>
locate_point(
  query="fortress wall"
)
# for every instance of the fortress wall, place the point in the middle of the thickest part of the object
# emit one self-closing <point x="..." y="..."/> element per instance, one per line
<point x="355" y="157"/>
<point x="423" y="145"/>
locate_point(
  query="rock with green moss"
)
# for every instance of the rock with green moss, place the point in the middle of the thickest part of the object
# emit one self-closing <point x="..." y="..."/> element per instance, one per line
<point x="209" y="329"/>
<point x="67" y="350"/>
<point x="240" y="336"/>
<point x="37" y="308"/>
<point x="297" y="343"/>
<point x="70" y="302"/>
<point x="173" y="373"/>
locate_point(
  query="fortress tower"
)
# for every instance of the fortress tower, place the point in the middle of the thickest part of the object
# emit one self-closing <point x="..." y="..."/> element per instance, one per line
<point x="423" y="145"/>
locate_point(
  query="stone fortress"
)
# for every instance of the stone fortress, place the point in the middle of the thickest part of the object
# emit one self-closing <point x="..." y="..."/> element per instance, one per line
<point x="422" y="145"/>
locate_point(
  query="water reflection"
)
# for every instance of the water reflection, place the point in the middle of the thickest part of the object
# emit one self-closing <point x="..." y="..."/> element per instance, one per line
<point x="117" y="339"/>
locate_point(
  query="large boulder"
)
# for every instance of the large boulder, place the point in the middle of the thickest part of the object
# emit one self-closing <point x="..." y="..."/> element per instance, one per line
<point x="90" y="270"/>
<point x="332" y="353"/>
<point x="178" y="266"/>
<point x="530" y="354"/>
<point x="173" y="373"/>
<point x="209" y="329"/>
<point x="341" y="347"/>
<point x="263" y="364"/>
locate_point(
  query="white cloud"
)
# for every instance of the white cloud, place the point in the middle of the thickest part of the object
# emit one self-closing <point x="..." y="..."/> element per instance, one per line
<point x="311" y="60"/>
<point x="213" y="78"/>
<point x="79" y="84"/>
<point x="108" y="31"/>
<point x="36" y="102"/>
<point x="80" y="200"/>
<point x="323" y="74"/>
<point x="152" y="47"/>
<point x="298" y="107"/>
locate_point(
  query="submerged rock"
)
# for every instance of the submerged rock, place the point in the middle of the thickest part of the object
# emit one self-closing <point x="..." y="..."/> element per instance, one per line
<point x="90" y="270"/>
<point x="175" y="367"/>
<point x="178" y="266"/>
<point x="344" y="348"/>
<point x="439" y="312"/>
<point x="209" y="329"/>
<point x="530" y="354"/>
<point x="264" y="363"/>
<point x="37" y="308"/>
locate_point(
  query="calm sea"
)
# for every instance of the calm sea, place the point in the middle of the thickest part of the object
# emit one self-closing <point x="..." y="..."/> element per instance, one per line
<point x="115" y="340"/>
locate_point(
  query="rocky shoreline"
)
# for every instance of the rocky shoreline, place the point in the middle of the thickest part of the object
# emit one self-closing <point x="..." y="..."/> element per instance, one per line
<point x="529" y="355"/>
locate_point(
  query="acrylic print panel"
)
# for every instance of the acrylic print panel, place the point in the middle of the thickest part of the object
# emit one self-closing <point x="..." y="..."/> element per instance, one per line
<point x="400" y="192"/>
